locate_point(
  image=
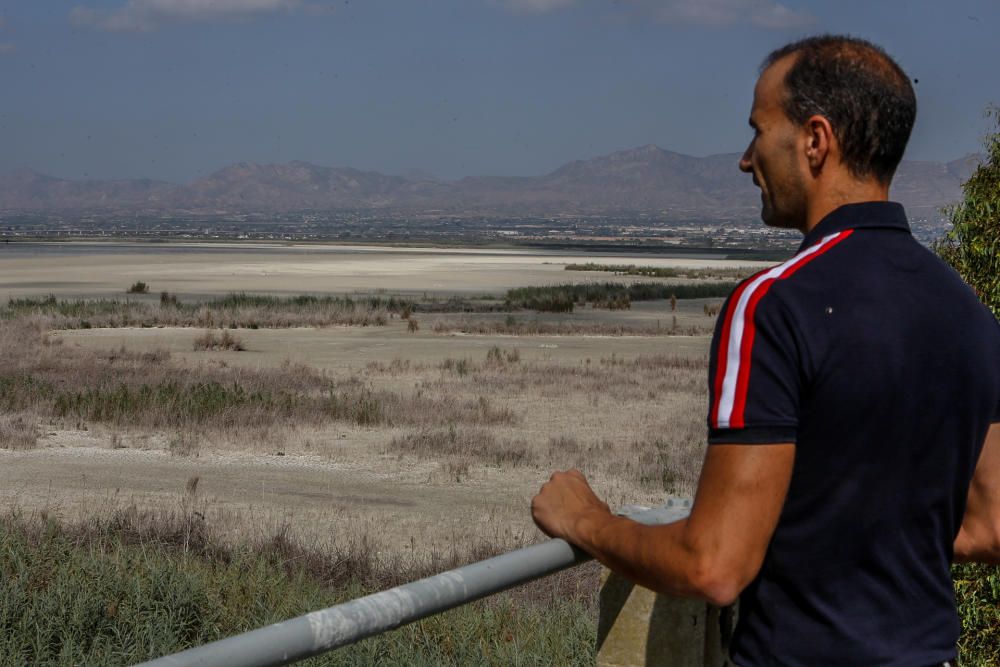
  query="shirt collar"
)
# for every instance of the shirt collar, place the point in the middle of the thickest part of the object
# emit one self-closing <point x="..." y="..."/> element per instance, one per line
<point x="872" y="214"/>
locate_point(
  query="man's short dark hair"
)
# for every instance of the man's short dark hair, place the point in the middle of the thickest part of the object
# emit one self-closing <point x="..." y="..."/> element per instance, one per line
<point x="864" y="94"/>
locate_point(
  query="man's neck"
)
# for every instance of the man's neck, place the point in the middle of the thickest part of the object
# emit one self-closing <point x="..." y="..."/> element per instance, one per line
<point x="828" y="199"/>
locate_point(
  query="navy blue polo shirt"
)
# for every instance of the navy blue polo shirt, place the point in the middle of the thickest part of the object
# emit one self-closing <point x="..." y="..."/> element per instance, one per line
<point x="882" y="366"/>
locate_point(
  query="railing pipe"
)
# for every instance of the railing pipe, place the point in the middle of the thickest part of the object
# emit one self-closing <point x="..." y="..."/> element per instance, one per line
<point x="346" y="623"/>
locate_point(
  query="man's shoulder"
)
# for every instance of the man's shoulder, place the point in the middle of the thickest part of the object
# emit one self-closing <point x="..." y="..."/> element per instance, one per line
<point x="780" y="286"/>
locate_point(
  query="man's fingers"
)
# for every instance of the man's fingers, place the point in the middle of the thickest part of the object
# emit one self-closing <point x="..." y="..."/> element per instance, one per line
<point x="572" y="472"/>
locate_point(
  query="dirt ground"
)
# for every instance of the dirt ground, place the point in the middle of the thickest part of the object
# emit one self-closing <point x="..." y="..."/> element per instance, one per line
<point x="397" y="507"/>
<point x="334" y="482"/>
<point x="354" y="347"/>
<point x="193" y="270"/>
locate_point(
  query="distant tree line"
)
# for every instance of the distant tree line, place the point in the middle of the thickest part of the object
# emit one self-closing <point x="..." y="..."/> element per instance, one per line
<point x="664" y="271"/>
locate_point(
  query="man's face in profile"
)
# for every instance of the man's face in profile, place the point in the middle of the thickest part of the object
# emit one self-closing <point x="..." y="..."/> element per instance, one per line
<point x="773" y="154"/>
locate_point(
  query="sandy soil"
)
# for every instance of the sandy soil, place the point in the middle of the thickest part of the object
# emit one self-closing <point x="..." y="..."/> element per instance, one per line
<point x="192" y="270"/>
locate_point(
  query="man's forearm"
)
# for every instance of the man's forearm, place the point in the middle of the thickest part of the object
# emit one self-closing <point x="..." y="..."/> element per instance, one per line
<point x="656" y="557"/>
<point x="979" y="537"/>
<point x="713" y="554"/>
<point x="977" y="544"/>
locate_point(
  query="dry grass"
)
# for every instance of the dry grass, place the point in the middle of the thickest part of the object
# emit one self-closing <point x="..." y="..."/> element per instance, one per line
<point x="495" y="423"/>
<point x="130" y="587"/>
<point x="123" y="389"/>
<point x="233" y="311"/>
<point x="225" y="341"/>
<point x="513" y="326"/>
<point x="464" y="445"/>
<point x="636" y="420"/>
<point x="18" y="431"/>
<point x="347" y="558"/>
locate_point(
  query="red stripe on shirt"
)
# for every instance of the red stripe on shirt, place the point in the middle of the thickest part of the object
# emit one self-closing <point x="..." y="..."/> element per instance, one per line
<point x="749" y="331"/>
<point x="723" y="348"/>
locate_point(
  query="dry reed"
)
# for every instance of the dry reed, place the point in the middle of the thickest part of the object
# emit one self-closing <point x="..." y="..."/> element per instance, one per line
<point x="18" y="431"/>
<point x="225" y="341"/>
<point x="536" y="327"/>
<point x="233" y="311"/>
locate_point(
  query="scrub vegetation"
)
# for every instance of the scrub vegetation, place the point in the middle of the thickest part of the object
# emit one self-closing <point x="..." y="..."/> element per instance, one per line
<point x="74" y="387"/>
<point x="120" y="586"/>
<point x="232" y="311"/>
<point x="521" y="326"/>
<point x="255" y="311"/>
<point x="224" y="341"/>
<point x="972" y="247"/>
<point x="614" y="296"/>
<point x="134" y="585"/>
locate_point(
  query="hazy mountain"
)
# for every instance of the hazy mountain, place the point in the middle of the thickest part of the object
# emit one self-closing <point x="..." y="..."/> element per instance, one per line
<point x="296" y="185"/>
<point x="28" y="190"/>
<point x="646" y="179"/>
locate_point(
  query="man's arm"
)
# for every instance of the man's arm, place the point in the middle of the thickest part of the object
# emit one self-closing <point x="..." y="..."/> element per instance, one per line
<point x="979" y="537"/>
<point x="713" y="554"/>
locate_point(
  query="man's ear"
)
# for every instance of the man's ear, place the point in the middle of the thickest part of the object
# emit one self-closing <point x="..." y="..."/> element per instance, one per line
<point x="819" y="141"/>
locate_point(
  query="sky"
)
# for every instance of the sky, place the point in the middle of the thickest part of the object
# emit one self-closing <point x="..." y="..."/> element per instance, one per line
<point x="176" y="89"/>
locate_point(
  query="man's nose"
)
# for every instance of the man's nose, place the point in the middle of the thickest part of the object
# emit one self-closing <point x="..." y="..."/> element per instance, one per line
<point x="746" y="166"/>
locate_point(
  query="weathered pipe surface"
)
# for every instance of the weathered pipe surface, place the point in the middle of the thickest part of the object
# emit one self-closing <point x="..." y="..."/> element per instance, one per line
<point x="327" y="629"/>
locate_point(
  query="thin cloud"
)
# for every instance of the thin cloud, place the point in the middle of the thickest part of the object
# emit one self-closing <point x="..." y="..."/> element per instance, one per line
<point x="724" y="13"/>
<point x="149" y="15"/>
<point x="533" y="6"/>
<point x="6" y="47"/>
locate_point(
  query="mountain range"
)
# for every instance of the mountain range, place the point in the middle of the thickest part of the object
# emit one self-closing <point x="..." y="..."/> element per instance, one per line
<point x="648" y="179"/>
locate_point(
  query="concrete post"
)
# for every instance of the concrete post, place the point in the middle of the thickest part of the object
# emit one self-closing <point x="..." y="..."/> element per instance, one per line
<point x="639" y="628"/>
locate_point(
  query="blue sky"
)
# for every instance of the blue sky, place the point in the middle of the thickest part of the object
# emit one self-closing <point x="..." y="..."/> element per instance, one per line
<point x="174" y="89"/>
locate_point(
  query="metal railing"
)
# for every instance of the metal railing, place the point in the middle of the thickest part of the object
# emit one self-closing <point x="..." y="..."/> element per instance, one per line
<point x="346" y="623"/>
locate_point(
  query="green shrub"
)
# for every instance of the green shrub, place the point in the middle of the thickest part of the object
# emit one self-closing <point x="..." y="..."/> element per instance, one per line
<point x="977" y="591"/>
<point x="972" y="247"/>
<point x="138" y="287"/>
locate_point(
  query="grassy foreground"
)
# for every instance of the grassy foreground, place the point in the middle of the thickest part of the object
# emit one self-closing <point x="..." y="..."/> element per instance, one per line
<point x="132" y="587"/>
<point x="123" y="590"/>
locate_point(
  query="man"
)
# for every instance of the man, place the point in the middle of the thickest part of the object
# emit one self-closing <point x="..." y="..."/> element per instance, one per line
<point x="852" y="389"/>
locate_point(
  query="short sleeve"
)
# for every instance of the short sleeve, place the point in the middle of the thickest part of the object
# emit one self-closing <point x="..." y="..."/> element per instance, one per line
<point x="754" y="370"/>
